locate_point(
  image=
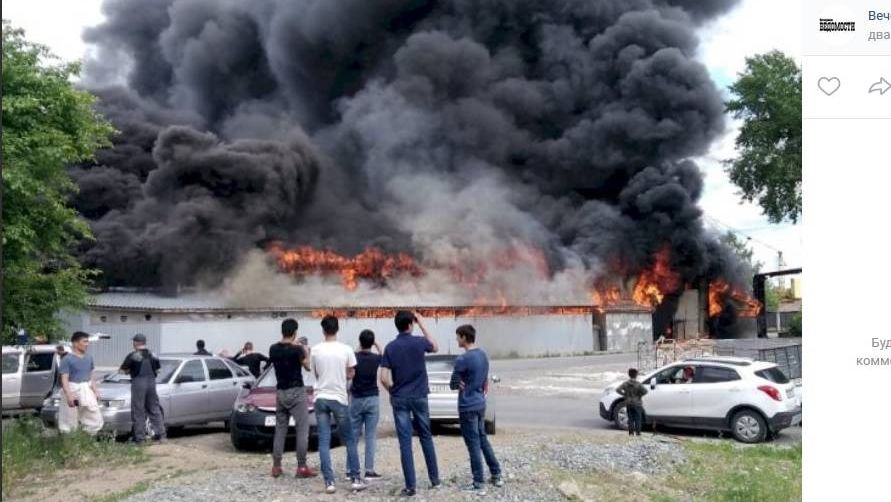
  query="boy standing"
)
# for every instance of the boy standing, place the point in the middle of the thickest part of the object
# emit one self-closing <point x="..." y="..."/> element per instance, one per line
<point x="365" y="406"/>
<point x="471" y="378"/>
<point x="633" y="392"/>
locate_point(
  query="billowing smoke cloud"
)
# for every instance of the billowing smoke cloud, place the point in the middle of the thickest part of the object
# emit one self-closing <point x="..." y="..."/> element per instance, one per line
<point x="446" y="129"/>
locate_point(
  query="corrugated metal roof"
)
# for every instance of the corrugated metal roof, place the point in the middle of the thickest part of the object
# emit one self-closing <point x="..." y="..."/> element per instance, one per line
<point x="188" y="302"/>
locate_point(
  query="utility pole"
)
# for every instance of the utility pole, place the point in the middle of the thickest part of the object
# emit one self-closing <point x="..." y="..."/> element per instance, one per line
<point x="781" y="264"/>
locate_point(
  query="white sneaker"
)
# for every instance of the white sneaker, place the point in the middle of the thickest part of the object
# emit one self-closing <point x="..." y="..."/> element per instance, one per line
<point x="330" y="488"/>
<point x="474" y="489"/>
<point x="358" y="485"/>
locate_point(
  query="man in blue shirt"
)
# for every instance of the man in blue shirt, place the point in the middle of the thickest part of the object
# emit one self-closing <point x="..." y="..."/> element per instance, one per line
<point x="471" y="378"/>
<point x="404" y="375"/>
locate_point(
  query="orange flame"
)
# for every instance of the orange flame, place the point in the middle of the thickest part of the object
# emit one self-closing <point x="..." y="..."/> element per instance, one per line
<point x="719" y="290"/>
<point x="649" y="287"/>
<point x="654" y="283"/>
<point x="454" y="312"/>
<point x="372" y="264"/>
<point x="375" y="265"/>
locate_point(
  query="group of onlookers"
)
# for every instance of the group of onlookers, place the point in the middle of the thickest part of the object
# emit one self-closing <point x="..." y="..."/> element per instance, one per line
<point x="401" y="369"/>
<point x="345" y="392"/>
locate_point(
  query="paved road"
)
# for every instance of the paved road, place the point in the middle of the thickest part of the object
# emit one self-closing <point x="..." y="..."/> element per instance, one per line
<point x="563" y="393"/>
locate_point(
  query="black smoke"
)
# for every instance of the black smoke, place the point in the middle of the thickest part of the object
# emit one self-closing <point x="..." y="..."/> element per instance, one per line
<point x="433" y="127"/>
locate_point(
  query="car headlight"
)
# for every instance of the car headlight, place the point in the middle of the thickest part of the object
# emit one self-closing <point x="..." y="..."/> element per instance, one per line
<point x="245" y="408"/>
<point x="114" y="403"/>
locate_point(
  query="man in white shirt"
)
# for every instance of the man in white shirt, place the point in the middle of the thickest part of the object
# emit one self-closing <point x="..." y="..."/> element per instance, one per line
<point x="334" y="363"/>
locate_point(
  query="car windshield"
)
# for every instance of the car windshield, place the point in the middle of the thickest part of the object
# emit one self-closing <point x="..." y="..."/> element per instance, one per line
<point x="168" y="366"/>
<point x="440" y="365"/>
<point x="10" y="362"/>
<point x="773" y="374"/>
<point x="268" y="380"/>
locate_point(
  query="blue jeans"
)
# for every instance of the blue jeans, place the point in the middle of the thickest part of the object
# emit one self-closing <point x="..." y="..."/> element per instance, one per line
<point x="409" y="413"/>
<point x="365" y="412"/>
<point x="325" y="409"/>
<point x="473" y="428"/>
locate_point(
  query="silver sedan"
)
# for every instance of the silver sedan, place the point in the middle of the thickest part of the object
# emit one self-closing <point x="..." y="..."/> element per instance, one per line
<point x="443" y="401"/>
<point x="192" y="390"/>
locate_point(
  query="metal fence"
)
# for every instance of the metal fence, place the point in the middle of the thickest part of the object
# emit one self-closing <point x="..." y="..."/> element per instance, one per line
<point x="785" y="352"/>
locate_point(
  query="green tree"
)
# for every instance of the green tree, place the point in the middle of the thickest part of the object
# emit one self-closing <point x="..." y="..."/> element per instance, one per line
<point x="742" y="250"/>
<point x="772" y="296"/>
<point x="746" y="255"/>
<point x="767" y="97"/>
<point x="795" y="327"/>
<point x="48" y="124"/>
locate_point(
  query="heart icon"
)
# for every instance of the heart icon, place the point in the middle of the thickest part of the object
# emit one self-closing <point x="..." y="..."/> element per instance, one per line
<point x="829" y="85"/>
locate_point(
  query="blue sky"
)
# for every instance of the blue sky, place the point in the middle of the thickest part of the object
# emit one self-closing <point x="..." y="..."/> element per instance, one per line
<point x="754" y="27"/>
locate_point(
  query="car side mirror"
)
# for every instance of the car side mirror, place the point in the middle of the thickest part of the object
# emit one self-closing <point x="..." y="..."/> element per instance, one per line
<point x="184" y="379"/>
<point x="496" y="379"/>
<point x="247" y="385"/>
<point x="653" y="385"/>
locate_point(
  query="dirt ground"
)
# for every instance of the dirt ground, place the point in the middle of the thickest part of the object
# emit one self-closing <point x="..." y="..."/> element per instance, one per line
<point x="200" y="450"/>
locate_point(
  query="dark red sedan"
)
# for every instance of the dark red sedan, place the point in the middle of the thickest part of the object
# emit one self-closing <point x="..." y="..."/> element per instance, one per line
<point x="252" y="424"/>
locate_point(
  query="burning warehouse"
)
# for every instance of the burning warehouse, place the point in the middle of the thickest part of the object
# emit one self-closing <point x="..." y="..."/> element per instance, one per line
<point x="447" y="153"/>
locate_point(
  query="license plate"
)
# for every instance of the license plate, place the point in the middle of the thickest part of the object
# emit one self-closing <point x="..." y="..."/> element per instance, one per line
<point x="796" y="419"/>
<point x="270" y="421"/>
<point x="440" y="389"/>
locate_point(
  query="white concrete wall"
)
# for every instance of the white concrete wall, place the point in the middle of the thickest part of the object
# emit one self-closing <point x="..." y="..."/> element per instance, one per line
<point x="500" y="336"/>
<point x="110" y="352"/>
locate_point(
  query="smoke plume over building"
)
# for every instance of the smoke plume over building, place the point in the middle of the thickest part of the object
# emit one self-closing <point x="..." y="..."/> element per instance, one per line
<point x="524" y="150"/>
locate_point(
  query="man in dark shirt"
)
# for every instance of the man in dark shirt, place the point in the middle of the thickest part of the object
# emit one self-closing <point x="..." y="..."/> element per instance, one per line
<point x="201" y="350"/>
<point x="143" y="367"/>
<point x="365" y="405"/>
<point x="288" y="358"/>
<point x="633" y="392"/>
<point x="247" y="357"/>
<point x="404" y="374"/>
<point x="471" y="378"/>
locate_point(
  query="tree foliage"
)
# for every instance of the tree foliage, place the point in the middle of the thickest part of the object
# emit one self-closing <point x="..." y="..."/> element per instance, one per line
<point x="48" y="124"/>
<point x="767" y="97"/>
<point x="746" y="255"/>
<point x="742" y="250"/>
<point x="795" y="327"/>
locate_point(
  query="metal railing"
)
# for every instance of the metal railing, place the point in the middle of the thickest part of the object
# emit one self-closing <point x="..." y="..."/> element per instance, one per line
<point x="785" y="352"/>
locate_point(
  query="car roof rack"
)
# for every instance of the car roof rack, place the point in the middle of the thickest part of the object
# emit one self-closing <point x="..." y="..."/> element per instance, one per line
<point x="733" y="361"/>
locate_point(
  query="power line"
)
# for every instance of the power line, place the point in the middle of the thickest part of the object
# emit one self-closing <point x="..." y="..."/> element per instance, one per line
<point x="740" y="232"/>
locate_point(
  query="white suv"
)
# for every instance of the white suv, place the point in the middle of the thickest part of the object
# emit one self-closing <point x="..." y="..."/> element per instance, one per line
<point x="751" y="399"/>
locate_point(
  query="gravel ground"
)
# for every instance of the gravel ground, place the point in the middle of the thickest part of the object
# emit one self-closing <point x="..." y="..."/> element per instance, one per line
<point x="527" y="467"/>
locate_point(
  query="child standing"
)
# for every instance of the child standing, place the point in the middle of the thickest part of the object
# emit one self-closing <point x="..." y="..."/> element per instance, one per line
<point x="633" y="392"/>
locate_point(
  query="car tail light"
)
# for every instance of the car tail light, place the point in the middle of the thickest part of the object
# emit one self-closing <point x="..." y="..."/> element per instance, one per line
<point x="771" y="391"/>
